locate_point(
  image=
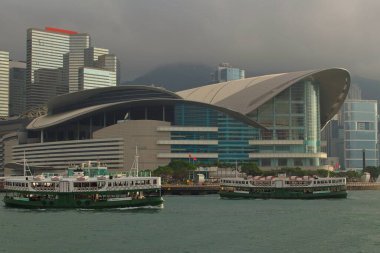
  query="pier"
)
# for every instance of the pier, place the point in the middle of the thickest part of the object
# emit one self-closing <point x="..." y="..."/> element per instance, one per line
<point x="357" y="186"/>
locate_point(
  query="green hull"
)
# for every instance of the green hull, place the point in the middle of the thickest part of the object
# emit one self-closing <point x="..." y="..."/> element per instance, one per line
<point x="283" y="194"/>
<point x="87" y="203"/>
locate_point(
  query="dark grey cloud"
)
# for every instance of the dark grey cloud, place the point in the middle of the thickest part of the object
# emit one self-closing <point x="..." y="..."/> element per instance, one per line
<point x="260" y="36"/>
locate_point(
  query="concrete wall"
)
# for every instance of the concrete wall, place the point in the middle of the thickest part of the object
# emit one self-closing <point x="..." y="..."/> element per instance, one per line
<point x="141" y="133"/>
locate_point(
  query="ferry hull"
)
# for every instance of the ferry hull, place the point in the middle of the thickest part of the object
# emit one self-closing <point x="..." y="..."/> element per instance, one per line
<point x="87" y="204"/>
<point x="282" y="195"/>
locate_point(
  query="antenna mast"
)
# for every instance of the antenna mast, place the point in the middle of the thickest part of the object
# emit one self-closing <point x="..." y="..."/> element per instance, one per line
<point x="135" y="165"/>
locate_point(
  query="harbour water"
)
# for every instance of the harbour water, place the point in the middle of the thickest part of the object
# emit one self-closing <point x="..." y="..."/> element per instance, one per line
<point x="201" y="224"/>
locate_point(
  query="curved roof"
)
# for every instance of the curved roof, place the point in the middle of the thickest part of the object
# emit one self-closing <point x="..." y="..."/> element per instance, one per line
<point x="236" y="98"/>
<point x="101" y="96"/>
<point x="246" y="95"/>
<point x="55" y="119"/>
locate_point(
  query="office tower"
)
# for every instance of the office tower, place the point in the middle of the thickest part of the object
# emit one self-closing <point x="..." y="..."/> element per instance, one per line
<point x="4" y="84"/>
<point x="101" y="70"/>
<point x="92" y="54"/>
<point x="17" y="87"/>
<point x="92" y="78"/>
<point x="225" y="72"/>
<point x="360" y="133"/>
<point x="71" y="64"/>
<point x="45" y="50"/>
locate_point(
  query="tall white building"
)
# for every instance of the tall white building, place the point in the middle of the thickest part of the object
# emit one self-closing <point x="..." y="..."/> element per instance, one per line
<point x="92" y="78"/>
<point x="45" y="50"/>
<point x="4" y="84"/>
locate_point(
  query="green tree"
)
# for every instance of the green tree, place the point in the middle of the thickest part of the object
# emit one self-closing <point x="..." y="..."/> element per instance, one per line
<point x="163" y="171"/>
<point x="251" y="169"/>
<point x="374" y="171"/>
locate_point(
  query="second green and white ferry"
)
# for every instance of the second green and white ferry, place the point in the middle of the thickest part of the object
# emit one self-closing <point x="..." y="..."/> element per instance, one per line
<point x="283" y="187"/>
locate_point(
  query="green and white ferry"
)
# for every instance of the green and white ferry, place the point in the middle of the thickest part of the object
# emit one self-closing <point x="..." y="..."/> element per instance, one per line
<point x="89" y="186"/>
<point x="283" y="187"/>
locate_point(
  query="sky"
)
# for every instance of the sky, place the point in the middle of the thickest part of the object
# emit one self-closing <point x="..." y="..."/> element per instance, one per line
<point x="259" y="36"/>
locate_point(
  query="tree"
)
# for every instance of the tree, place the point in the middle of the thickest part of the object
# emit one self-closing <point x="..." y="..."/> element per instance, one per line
<point x="251" y="169"/>
<point x="163" y="171"/>
<point x="374" y="171"/>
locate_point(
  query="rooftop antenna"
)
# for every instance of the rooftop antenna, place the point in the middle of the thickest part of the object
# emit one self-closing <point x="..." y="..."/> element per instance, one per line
<point x="135" y="165"/>
<point x="236" y="168"/>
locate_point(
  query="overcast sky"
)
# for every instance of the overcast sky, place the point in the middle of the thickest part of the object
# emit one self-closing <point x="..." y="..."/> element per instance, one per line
<point x="259" y="36"/>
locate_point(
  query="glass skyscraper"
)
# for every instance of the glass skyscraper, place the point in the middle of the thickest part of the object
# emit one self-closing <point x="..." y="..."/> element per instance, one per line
<point x="360" y="133"/>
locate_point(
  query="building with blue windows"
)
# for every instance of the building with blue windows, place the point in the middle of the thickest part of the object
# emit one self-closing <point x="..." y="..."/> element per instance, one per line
<point x="360" y="133"/>
<point x="272" y="120"/>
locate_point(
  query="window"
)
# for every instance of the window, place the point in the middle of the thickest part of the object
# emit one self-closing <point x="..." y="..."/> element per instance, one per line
<point x="265" y="162"/>
<point x="364" y="126"/>
<point x="282" y="162"/>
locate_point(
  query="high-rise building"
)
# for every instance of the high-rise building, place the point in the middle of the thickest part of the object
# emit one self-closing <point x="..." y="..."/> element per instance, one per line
<point x="92" y="78"/>
<point x="92" y="54"/>
<point x="225" y="72"/>
<point x="45" y="50"/>
<point x="4" y="84"/>
<point x="71" y="64"/>
<point x="17" y="87"/>
<point x="360" y="133"/>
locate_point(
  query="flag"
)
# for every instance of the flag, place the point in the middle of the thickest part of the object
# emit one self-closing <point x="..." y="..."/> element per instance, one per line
<point x="189" y="155"/>
<point x="194" y="159"/>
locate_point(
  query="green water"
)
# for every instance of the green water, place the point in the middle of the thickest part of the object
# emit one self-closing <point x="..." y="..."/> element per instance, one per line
<point x="201" y="224"/>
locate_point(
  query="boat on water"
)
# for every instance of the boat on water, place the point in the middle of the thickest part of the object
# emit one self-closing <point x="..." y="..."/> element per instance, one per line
<point x="283" y="187"/>
<point x="89" y="186"/>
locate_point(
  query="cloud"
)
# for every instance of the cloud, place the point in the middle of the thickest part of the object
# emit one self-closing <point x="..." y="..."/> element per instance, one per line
<point x="259" y="36"/>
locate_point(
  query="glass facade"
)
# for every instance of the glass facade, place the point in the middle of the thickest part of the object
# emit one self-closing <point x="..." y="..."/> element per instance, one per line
<point x="293" y="114"/>
<point x="360" y="133"/>
<point x="232" y="136"/>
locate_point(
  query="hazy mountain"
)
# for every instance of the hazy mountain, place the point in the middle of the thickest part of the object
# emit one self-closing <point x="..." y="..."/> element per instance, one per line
<point x="370" y="88"/>
<point x="176" y="77"/>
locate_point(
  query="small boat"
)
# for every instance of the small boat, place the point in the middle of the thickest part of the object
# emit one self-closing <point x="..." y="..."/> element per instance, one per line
<point x="89" y="186"/>
<point x="283" y="187"/>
